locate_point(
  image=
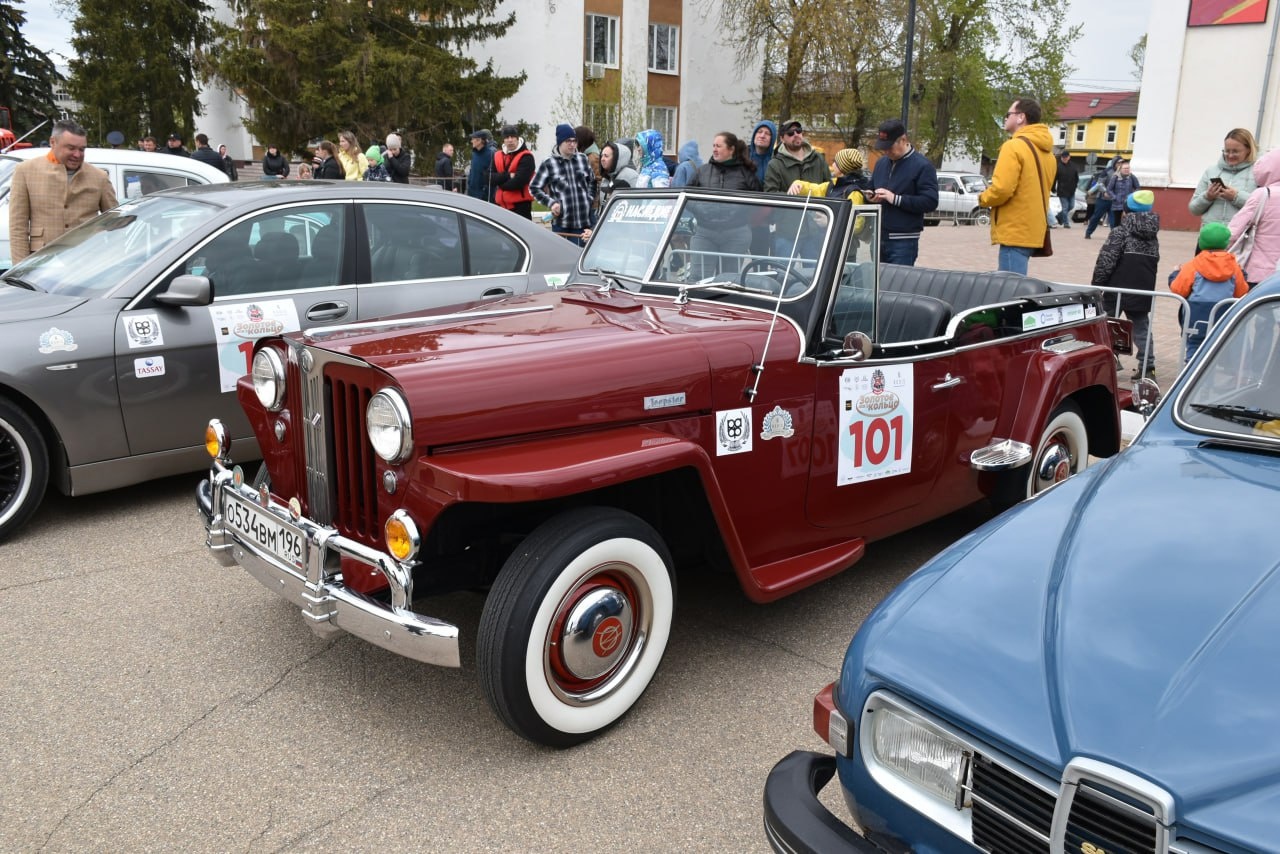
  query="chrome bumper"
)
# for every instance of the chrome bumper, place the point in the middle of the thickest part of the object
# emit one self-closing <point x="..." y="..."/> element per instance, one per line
<point x="327" y="605"/>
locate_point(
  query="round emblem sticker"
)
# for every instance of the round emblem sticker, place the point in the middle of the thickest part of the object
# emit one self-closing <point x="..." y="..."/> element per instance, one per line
<point x="608" y="635"/>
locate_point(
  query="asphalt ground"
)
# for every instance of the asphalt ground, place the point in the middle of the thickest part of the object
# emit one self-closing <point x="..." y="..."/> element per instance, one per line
<point x="155" y="701"/>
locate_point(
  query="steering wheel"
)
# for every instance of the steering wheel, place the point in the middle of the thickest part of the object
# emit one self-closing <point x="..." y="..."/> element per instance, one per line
<point x="769" y="265"/>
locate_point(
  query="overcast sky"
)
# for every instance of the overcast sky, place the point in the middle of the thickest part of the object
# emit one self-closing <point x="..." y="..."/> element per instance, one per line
<point x="1111" y="28"/>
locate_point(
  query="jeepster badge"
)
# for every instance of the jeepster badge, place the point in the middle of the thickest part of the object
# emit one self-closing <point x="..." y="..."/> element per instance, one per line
<point x="662" y="401"/>
<point x="777" y="423"/>
<point x="733" y="432"/>
<point x="57" y="339"/>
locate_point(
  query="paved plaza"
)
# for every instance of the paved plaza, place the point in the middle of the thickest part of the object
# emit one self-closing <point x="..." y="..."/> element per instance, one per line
<point x="969" y="247"/>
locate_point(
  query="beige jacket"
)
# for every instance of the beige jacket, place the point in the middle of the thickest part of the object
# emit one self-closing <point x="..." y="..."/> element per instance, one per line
<point x="43" y="204"/>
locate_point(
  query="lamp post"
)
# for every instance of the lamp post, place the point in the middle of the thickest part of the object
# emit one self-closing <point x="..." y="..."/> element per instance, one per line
<point x="906" y="68"/>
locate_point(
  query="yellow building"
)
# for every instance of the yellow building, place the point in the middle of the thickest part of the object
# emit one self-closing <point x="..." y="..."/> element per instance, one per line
<point x="1100" y="123"/>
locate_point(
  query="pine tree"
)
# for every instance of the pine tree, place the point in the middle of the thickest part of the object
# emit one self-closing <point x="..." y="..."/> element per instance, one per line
<point x="309" y="68"/>
<point x="27" y="75"/>
<point x="137" y="69"/>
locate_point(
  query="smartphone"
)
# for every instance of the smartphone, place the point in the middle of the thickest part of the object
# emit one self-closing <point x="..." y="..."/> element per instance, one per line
<point x="1217" y="181"/>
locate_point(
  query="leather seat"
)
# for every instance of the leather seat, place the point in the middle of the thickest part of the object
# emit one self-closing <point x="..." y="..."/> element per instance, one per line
<point x="910" y="317"/>
<point x="277" y="257"/>
<point x="963" y="290"/>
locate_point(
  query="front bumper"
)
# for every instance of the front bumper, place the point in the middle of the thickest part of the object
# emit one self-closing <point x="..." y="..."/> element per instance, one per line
<point x="316" y="586"/>
<point x="795" y="821"/>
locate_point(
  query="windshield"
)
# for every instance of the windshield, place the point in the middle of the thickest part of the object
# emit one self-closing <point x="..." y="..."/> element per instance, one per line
<point x="97" y="256"/>
<point x="1237" y="389"/>
<point x="762" y="247"/>
<point x="974" y="183"/>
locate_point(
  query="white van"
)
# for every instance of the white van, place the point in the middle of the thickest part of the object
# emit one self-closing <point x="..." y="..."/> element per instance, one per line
<point x="133" y="173"/>
<point x="958" y="199"/>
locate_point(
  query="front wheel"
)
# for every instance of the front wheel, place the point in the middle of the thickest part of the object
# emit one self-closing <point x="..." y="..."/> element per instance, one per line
<point x="24" y="468"/>
<point x="980" y="216"/>
<point x="575" y="625"/>
<point x="1062" y="450"/>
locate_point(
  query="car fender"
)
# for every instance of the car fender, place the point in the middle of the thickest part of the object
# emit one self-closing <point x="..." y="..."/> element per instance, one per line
<point x="1052" y="377"/>
<point x="563" y="466"/>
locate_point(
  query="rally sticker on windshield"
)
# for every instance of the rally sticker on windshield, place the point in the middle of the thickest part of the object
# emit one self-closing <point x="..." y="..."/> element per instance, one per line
<point x="877" y="409"/>
<point x="236" y="327"/>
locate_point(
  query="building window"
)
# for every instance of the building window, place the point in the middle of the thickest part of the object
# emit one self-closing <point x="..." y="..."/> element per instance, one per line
<point x="664" y="48"/>
<point x="663" y="120"/>
<point x="1112" y="130"/>
<point x="602" y="40"/>
<point x="1133" y="134"/>
<point x="603" y="118"/>
<point x="1080" y="134"/>
<point x="1060" y="135"/>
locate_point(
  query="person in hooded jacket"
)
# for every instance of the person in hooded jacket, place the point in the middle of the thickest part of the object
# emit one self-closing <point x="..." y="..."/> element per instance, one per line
<point x="1221" y="199"/>
<point x="512" y="171"/>
<point x="688" y="164"/>
<point x="1265" y="257"/>
<point x="616" y="171"/>
<point x="723" y="230"/>
<point x="1018" y="194"/>
<point x="653" y="168"/>
<point x="764" y="136"/>
<point x="1128" y="260"/>
<point x="275" y="164"/>
<point x="1211" y="276"/>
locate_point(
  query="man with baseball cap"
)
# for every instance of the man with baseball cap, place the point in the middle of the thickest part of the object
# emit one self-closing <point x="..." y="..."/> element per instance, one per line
<point x="175" y="146"/>
<point x="480" y="178"/>
<point x="906" y="187"/>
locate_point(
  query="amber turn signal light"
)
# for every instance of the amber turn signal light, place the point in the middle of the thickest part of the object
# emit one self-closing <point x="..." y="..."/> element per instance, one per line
<point x="401" y="536"/>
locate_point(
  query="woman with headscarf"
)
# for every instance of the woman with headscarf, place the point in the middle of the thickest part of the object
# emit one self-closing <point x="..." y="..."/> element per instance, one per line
<point x="653" y="168"/>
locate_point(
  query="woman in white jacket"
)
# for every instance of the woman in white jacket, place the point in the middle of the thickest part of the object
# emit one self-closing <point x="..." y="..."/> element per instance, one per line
<point x="1266" y="243"/>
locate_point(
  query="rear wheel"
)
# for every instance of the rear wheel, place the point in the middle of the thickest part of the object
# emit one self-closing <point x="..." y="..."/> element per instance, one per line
<point x="980" y="216"/>
<point x="575" y="625"/>
<point x="24" y="468"/>
<point x="1063" y="450"/>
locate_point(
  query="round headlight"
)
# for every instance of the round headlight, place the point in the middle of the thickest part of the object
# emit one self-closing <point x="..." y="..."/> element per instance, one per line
<point x="387" y="419"/>
<point x="268" y="378"/>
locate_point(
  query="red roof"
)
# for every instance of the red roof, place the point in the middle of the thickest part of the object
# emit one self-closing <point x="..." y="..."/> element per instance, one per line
<point x="1089" y="105"/>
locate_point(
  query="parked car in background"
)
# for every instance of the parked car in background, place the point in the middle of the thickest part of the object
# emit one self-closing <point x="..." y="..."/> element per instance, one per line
<point x="123" y="336"/>
<point x="1094" y="670"/>
<point x="132" y="173"/>
<point x="672" y="409"/>
<point x="958" y="199"/>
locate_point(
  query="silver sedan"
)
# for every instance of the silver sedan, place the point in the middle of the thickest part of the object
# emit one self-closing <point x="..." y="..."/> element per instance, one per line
<point x="125" y="336"/>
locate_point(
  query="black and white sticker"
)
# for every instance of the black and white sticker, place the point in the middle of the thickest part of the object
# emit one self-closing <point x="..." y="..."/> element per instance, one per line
<point x="733" y="432"/>
<point x="143" y="330"/>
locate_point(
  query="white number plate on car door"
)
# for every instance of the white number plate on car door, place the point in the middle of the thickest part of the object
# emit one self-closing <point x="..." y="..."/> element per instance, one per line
<point x="250" y="523"/>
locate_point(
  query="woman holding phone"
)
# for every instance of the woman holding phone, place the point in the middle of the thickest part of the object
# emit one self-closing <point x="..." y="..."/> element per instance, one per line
<point x="1225" y="186"/>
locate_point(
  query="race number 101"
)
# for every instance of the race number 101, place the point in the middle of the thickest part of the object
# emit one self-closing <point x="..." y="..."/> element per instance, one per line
<point x="874" y="440"/>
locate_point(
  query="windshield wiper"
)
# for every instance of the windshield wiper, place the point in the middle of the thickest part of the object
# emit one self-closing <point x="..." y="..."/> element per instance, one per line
<point x="1246" y="415"/>
<point x="21" y="283"/>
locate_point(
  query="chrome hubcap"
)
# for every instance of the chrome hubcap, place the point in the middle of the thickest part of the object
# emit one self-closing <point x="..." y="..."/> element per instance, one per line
<point x="597" y="631"/>
<point x="1055" y="463"/>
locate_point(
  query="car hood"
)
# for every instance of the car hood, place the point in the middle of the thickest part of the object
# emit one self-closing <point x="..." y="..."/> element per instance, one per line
<point x="566" y="360"/>
<point x="21" y="304"/>
<point x="1129" y="615"/>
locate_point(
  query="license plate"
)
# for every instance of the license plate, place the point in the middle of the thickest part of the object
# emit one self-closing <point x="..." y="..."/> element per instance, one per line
<point x="256" y="526"/>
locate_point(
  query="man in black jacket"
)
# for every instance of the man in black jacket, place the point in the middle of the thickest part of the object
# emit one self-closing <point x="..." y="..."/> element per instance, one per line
<point x="397" y="160"/>
<point x="205" y="154"/>
<point x="906" y="188"/>
<point x="444" y="168"/>
<point x="1064" y="187"/>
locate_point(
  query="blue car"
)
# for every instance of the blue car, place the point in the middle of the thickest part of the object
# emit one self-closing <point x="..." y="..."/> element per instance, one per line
<point x="1095" y="671"/>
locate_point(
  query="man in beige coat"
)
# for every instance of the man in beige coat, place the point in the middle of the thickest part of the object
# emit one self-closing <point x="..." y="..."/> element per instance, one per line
<point x="55" y="193"/>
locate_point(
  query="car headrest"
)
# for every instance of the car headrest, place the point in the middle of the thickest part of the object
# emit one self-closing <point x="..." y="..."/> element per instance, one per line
<point x="276" y="247"/>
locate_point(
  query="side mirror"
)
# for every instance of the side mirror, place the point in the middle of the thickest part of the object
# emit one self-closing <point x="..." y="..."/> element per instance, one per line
<point x="187" y="290"/>
<point x="857" y="346"/>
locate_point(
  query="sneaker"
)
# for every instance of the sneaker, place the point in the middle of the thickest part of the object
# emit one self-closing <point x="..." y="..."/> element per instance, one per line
<point x="1138" y="373"/>
<point x="1088" y="236"/>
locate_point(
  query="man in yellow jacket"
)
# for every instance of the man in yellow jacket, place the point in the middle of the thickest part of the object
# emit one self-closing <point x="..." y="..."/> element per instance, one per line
<point x="55" y="193"/>
<point x="1019" y="193"/>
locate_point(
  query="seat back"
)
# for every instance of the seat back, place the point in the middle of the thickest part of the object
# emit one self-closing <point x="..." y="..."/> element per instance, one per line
<point x="277" y="255"/>
<point x="963" y="290"/>
<point x="910" y="317"/>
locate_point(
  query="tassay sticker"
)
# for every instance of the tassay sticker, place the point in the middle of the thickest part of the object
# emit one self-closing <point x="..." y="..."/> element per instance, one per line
<point x="148" y="366"/>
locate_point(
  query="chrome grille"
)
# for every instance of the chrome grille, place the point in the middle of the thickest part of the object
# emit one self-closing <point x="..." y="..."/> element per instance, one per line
<point x="1111" y="823"/>
<point x="334" y="457"/>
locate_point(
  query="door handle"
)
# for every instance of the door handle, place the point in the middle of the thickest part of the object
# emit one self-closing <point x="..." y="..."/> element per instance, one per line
<point x="949" y="382"/>
<point x="497" y="292"/>
<point x="328" y="311"/>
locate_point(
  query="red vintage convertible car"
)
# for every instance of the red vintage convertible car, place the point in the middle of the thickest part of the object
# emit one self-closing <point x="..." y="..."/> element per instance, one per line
<point x="681" y="405"/>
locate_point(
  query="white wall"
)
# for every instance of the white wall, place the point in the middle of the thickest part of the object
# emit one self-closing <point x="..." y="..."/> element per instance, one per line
<point x="1197" y="84"/>
<point x="714" y="95"/>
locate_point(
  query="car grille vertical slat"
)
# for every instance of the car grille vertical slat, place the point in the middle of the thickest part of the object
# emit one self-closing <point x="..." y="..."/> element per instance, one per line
<point x="354" y="465"/>
<point x="293" y="402"/>
<point x="1005" y="805"/>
